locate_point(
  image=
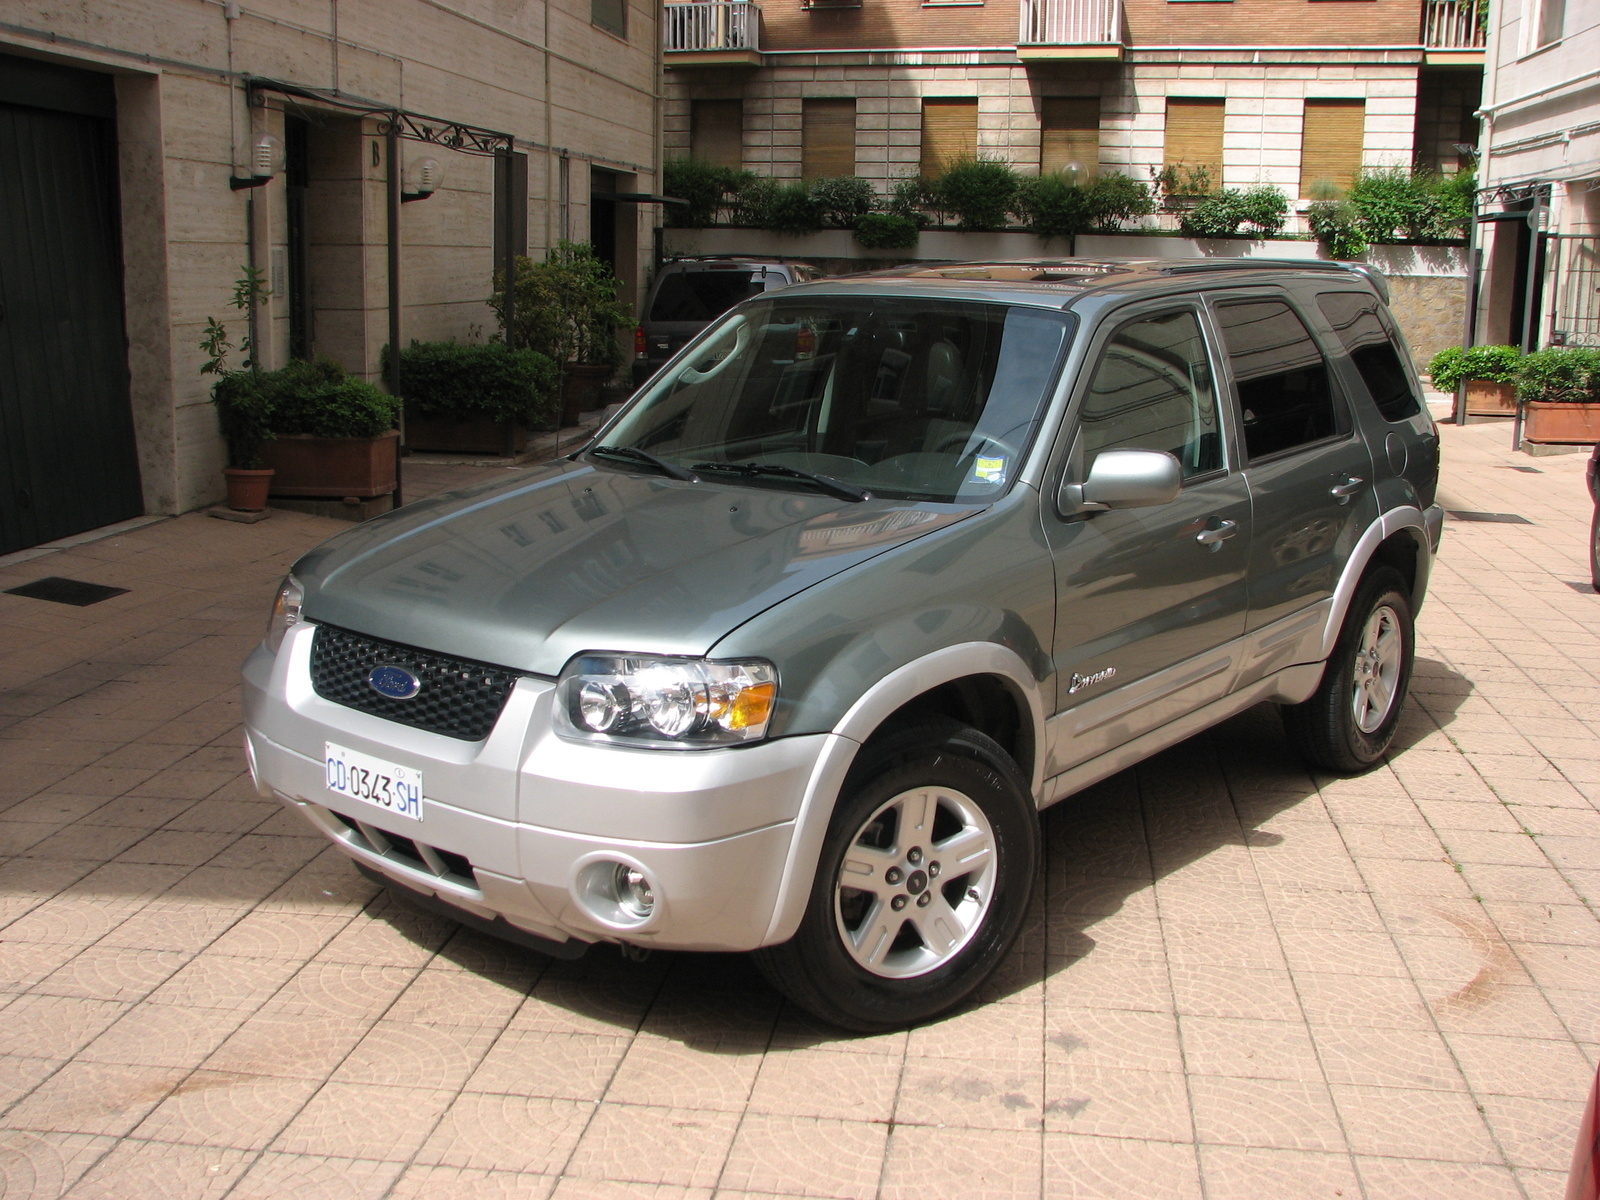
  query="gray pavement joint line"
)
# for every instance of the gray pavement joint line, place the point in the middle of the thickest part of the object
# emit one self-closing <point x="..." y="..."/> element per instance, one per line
<point x="744" y="1111"/>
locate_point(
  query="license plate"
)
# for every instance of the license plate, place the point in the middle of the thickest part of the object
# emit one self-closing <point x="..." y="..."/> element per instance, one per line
<point x="386" y="785"/>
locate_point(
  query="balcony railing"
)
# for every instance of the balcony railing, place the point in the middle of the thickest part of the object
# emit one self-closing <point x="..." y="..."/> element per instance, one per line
<point x="713" y="28"/>
<point x="1068" y="23"/>
<point x="1452" y="25"/>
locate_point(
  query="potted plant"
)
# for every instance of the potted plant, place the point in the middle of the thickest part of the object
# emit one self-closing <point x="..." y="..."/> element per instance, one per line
<point x="334" y="435"/>
<point x="1488" y="372"/>
<point x="476" y="399"/>
<point x="567" y="309"/>
<point x="242" y="412"/>
<point x="1560" y="391"/>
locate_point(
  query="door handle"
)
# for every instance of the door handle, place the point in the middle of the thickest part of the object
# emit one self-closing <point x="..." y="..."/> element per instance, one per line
<point x="1215" y="537"/>
<point x="1350" y="486"/>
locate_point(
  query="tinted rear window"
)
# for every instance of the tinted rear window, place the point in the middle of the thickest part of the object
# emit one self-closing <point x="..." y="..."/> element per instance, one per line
<point x="1285" y="393"/>
<point x="1355" y="319"/>
<point x="703" y="295"/>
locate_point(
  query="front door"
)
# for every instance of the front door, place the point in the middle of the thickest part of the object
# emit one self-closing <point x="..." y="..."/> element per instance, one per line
<point x="1149" y="600"/>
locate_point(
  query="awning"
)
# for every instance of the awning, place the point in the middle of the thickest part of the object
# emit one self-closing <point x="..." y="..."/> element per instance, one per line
<point x="636" y="198"/>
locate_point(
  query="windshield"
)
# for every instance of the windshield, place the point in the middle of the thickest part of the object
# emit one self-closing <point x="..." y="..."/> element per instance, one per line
<point x="913" y="399"/>
<point x="704" y="295"/>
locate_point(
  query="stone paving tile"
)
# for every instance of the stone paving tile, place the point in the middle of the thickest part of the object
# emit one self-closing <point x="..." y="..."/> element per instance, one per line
<point x="1240" y="973"/>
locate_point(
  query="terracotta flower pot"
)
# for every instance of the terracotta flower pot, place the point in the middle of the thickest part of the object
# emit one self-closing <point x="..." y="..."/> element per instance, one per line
<point x="1486" y="399"/>
<point x="580" y="390"/>
<point x="333" y="467"/>
<point x="1545" y="423"/>
<point x="247" y="487"/>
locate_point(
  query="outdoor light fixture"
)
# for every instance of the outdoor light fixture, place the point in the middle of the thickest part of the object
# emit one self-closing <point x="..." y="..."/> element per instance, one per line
<point x="423" y="178"/>
<point x="266" y="160"/>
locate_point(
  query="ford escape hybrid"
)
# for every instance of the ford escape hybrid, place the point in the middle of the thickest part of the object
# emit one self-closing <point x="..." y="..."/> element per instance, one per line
<point x="788" y="658"/>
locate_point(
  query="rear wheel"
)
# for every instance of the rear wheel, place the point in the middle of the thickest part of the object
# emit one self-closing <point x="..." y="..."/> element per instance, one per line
<point x="923" y="883"/>
<point x="1350" y="720"/>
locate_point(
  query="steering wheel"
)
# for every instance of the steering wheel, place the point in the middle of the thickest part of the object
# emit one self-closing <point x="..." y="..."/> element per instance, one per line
<point x="741" y="338"/>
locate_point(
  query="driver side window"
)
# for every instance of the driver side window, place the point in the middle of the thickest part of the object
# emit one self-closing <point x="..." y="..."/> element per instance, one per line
<point x="1153" y="390"/>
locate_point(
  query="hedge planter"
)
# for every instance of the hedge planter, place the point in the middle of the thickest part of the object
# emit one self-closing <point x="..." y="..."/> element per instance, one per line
<point x="580" y="390"/>
<point x="1550" y="424"/>
<point x="333" y="467"/>
<point x="247" y="488"/>
<point x="465" y="435"/>
<point x="1486" y="399"/>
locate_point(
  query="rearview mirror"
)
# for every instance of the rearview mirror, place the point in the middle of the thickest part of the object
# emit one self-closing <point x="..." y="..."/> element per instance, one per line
<point x="1124" y="479"/>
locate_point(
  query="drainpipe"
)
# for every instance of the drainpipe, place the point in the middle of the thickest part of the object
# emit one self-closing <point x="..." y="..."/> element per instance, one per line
<point x="392" y="138"/>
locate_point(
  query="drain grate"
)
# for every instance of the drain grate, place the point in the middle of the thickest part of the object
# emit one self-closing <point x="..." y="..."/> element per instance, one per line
<point x="1494" y="518"/>
<point x="66" y="591"/>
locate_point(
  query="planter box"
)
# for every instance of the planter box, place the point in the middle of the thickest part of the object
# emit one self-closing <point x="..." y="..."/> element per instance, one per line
<point x="333" y="467"/>
<point x="580" y="390"/>
<point x="465" y="435"/>
<point x="1561" y="424"/>
<point x="1486" y="399"/>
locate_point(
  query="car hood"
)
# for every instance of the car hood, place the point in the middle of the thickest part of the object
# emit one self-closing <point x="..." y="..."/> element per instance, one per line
<point x="529" y="572"/>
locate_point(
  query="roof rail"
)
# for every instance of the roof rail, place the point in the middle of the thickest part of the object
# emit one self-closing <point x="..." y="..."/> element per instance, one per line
<point x="1368" y="272"/>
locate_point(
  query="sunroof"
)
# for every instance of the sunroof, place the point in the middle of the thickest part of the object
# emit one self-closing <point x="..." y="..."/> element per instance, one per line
<point x="66" y="591"/>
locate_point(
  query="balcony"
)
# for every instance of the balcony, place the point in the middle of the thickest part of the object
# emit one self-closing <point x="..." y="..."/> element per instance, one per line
<point x="722" y="33"/>
<point x="1452" y="33"/>
<point x="1053" y="30"/>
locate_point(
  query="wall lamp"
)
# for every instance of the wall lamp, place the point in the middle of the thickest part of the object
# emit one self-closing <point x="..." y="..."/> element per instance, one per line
<point x="266" y="160"/>
<point x="422" y="179"/>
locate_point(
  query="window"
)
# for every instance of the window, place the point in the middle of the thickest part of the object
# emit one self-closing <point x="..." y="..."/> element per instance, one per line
<point x="1069" y="133"/>
<point x="949" y="133"/>
<point x="1330" y="145"/>
<point x="1285" y="394"/>
<point x="610" y="15"/>
<point x="1153" y="391"/>
<point x="704" y="295"/>
<point x="1552" y="21"/>
<point x="827" y="138"/>
<point x="1355" y="319"/>
<point x="716" y="131"/>
<point x="1194" y="134"/>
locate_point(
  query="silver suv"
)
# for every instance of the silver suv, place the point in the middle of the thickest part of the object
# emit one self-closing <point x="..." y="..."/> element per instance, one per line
<point x="789" y="658"/>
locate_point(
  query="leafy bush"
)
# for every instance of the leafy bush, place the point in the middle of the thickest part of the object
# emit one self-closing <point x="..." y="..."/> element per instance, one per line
<point x="1052" y="206"/>
<point x="979" y="192"/>
<point x="1560" y="375"/>
<point x="448" y="379"/>
<point x="779" y="207"/>
<point x="1177" y="179"/>
<point x="707" y="187"/>
<point x="1114" y="198"/>
<point x="1266" y="209"/>
<point x="1453" y="364"/>
<point x="567" y="307"/>
<point x="909" y="198"/>
<point x="317" y="398"/>
<point x="887" y="231"/>
<point x="844" y="200"/>
<point x="1221" y="214"/>
<point x="1393" y="203"/>
<point x="1333" y="223"/>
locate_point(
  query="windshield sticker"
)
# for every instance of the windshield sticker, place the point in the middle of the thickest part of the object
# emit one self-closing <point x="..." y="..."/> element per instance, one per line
<point x="989" y="470"/>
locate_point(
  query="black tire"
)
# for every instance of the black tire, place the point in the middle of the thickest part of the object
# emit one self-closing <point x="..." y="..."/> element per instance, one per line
<point x="1326" y="730"/>
<point x="914" y="979"/>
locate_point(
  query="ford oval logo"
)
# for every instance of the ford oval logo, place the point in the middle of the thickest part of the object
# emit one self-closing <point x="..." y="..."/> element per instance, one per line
<point x="396" y="683"/>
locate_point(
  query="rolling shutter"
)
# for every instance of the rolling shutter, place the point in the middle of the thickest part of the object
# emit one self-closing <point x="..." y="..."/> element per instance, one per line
<point x="1069" y="132"/>
<point x="716" y="132"/>
<point x="1330" y="146"/>
<point x="827" y="138"/>
<point x="1194" y="134"/>
<point x="949" y="133"/>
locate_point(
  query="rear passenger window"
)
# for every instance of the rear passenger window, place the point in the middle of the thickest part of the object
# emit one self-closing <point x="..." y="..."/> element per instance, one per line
<point x="704" y="295"/>
<point x="1355" y="319"/>
<point x="1285" y="392"/>
<point x="1153" y="391"/>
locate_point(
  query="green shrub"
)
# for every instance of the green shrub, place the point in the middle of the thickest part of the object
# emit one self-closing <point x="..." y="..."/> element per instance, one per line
<point x="448" y="379"/>
<point x="979" y="192"/>
<point x="1266" y="209"/>
<point x="887" y="231"/>
<point x="317" y="398"/>
<point x="1177" y="179"/>
<point x="244" y="412"/>
<point x="1052" y="206"/>
<point x="1452" y="365"/>
<point x="707" y="187"/>
<point x="1560" y="375"/>
<point x="843" y="201"/>
<point x="1113" y="198"/>
<point x="1222" y="214"/>
<point x="765" y="203"/>
<point x="1333" y="224"/>
<point x="567" y="306"/>
<point x="910" y="198"/>
<point x="1392" y="203"/>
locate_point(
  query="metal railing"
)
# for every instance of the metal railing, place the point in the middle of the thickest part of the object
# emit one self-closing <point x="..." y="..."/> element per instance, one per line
<point x="1071" y="22"/>
<point x="717" y="25"/>
<point x="1452" y="25"/>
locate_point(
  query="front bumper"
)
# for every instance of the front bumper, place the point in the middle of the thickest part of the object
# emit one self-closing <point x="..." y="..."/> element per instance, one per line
<point x="520" y="825"/>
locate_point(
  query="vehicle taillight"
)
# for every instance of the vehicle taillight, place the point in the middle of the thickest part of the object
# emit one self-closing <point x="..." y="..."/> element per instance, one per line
<point x="638" y="340"/>
<point x="805" y="342"/>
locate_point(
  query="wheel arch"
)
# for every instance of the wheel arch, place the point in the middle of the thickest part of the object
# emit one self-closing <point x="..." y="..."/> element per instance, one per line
<point x="1398" y="539"/>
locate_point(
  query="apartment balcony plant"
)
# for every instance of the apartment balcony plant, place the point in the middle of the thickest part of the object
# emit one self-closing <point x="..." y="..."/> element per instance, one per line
<point x="1056" y="30"/>
<point x="1559" y="388"/>
<point x="712" y="33"/>
<point x="1453" y="32"/>
<point x="1489" y="373"/>
<point x="476" y="399"/>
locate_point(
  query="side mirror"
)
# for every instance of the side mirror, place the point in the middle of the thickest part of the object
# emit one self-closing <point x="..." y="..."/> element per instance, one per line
<point x="1124" y="479"/>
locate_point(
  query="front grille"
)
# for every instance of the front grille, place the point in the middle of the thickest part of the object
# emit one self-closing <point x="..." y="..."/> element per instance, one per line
<point x="458" y="697"/>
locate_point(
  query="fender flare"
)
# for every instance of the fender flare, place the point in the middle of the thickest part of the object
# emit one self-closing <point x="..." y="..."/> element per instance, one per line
<point x="875" y="706"/>
<point x="1388" y="524"/>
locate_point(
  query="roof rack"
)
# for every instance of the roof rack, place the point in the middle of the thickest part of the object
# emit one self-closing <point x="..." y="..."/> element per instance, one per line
<point x="1368" y="272"/>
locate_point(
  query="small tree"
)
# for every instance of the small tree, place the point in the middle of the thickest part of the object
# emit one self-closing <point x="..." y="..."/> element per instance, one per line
<point x="567" y="306"/>
<point x="980" y="192"/>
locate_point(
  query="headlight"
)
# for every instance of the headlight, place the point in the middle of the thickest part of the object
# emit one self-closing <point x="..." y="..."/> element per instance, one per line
<point x="681" y="703"/>
<point x="285" y="611"/>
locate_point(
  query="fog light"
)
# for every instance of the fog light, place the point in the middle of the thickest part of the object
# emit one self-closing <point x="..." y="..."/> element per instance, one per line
<point x="633" y="891"/>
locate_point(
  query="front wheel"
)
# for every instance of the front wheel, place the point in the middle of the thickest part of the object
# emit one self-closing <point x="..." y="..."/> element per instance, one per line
<point x="1350" y="720"/>
<point x="922" y="886"/>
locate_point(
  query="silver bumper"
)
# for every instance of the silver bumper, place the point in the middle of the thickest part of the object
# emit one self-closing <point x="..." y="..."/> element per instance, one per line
<point x="533" y="814"/>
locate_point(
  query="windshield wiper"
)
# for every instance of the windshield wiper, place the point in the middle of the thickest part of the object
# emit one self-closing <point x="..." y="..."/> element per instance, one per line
<point x="645" y="458"/>
<point x="827" y="483"/>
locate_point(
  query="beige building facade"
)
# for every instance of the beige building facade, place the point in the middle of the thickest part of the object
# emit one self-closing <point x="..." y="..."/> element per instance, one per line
<point x="268" y="135"/>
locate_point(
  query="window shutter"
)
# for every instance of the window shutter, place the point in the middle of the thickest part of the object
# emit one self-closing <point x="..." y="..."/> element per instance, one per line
<point x="827" y="138"/>
<point x="716" y="132"/>
<point x="1194" y="134"/>
<point x="1330" y="145"/>
<point x="1069" y="132"/>
<point x="949" y="133"/>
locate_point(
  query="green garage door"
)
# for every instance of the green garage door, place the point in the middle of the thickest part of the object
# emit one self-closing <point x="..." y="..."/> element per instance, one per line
<point x="67" y="456"/>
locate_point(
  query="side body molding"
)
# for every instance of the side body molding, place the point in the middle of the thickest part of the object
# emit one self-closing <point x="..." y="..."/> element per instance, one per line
<point x="1389" y="523"/>
<point x="857" y="725"/>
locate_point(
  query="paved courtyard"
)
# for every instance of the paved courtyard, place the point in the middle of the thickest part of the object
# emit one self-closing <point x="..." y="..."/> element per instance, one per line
<point x="1239" y="979"/>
